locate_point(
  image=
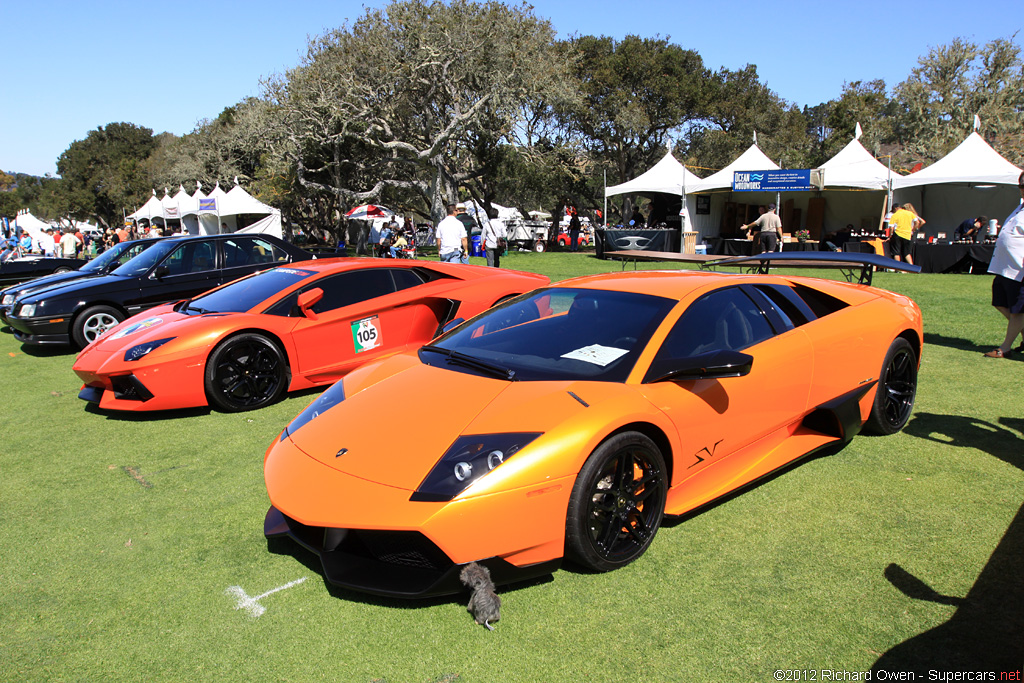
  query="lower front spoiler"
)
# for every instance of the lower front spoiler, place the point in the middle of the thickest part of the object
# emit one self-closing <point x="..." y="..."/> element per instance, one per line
<point x="395" y="564"/>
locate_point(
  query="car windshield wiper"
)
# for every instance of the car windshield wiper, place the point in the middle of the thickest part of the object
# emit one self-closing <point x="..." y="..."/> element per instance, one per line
<point x="458" y="358"/>
<point x="198" y="309"/>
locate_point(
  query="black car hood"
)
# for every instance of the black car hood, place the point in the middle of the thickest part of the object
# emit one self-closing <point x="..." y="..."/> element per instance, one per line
<point x="72" y="288"/>
<point x="48" y="281"/>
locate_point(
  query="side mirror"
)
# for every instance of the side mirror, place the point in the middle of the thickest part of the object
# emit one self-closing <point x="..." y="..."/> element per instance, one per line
<point x="161" y="271"/>
<point x="307" y="300"/>
<point x="710" y="365"/>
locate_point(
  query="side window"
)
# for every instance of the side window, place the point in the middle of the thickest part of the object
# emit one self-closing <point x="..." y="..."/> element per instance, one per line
<point x="726" y="319"/>
<point x="353" y="287"/>
<point x="191" y="257"/>
<point x="236" y="253"/>
<point x="262" y="251"/>
<point x="406" y="278"/>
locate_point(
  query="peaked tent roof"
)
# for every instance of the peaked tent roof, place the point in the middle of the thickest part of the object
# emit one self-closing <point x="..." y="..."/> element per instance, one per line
<point x="751" y="160"/>
<point x="973" y="161"/>
<point x="668" y="176"/>
<point x="215" y="193"/>
<point x="149" y="209"/>
<point x="853" y="166"/>
<point x="239" y="201"/>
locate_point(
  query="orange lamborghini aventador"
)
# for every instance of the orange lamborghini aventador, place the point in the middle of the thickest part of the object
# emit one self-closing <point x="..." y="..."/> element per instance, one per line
<point x="242" y="345"/>
<point x="568" y="421"/>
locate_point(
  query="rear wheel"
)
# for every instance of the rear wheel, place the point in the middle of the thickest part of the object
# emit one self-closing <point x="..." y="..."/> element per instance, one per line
<point x="617" y="503"/>
<point x="897" y="387"/>
<point x="63" y="269"/>
<point x="244" y="373"/>
<point x="540" y="247"/>
<point x="93" y="322"/>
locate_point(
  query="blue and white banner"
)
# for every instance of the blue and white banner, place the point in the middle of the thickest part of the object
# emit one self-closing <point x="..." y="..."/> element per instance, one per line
<point x="791" y="180"/>
<point x="208" y="204"/>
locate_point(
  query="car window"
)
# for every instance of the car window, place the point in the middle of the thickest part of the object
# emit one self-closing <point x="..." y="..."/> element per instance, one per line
<point x="406" y="278"/>
<point x="244" y="251"/>
<point x="726" y="319"/>
<point x="191" y="257"/>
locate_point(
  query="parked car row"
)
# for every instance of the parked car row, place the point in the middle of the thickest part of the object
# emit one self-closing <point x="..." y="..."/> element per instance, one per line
<point x="567" y="419"/>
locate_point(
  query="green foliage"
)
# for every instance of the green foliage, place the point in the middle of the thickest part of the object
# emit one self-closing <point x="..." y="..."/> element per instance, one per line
<point x="105" y="172"/>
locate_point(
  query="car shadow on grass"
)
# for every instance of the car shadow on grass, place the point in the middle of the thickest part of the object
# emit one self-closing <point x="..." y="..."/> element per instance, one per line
<point x="48" y="351"/>
<point x="149" y="416"/>
<point x="987" y="629"/>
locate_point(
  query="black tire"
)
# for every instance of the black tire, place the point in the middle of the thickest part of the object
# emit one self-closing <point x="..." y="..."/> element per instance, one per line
<point x="897" y="387"/>
<point x="617" y="503"/>
<point x="245" y="372"/>
<point x="93" y="322"/>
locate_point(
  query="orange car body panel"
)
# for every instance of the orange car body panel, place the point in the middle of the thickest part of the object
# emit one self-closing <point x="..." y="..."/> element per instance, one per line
<point x="318" y="351"/>
<point x="717" y="434"/>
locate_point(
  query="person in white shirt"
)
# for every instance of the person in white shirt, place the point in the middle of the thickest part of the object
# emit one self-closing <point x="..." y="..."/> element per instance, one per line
<point x="46" y="243"/>
<point x="68" y="245"/>
<point x="1007" y="288"/>
<point x="494" y="239"/>
<point x="452" y="243"/>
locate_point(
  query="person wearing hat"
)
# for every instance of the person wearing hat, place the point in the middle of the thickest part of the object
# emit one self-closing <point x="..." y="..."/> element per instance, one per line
<point x="767" y="230"/>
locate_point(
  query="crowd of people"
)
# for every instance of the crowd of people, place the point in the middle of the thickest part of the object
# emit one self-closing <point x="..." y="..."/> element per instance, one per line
<point x="63" y="243"/>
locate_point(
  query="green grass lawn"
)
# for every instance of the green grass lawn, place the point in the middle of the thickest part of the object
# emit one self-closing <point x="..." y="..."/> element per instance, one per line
<point x="121" y="536"/>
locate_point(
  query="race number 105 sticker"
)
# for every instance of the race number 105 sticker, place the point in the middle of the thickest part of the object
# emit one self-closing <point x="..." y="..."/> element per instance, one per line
<point x="366" y="334"/>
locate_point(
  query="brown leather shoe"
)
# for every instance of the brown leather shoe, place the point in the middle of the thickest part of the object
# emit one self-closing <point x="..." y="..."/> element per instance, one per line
<point x="998" y="353"/>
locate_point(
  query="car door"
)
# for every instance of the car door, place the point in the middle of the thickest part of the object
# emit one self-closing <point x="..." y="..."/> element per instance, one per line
<point x="364" y="314"/>
<point x="243" y="255"/>
<point x="724" y="425"/>
<point x="191" y="269"/>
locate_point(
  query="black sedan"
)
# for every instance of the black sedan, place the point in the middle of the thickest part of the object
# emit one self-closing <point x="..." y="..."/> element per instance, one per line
<point x="28" y="267"/>
<point x="175" y="268"/>
<point x="101" y="265"/>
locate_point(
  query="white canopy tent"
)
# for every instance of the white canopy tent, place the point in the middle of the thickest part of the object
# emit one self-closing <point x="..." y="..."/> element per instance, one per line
<point x="970" y="181"/>
<point x="30" y="224"/>
<point x="230" y="205"/>
<point x="856" y="184"/>
<point x="719" y="186"/>
<point x="668" y="176"/>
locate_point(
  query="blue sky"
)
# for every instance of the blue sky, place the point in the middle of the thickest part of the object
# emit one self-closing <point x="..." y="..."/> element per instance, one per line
<point x="71" y="67"/>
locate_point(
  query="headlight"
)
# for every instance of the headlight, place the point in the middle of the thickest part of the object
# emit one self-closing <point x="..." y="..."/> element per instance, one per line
<point x="327" y="400"/>
<point x="137" y="352"/>
<point x="27" y="310"/>
<point x="467" y="460"/>
<point x="7" y="300"/>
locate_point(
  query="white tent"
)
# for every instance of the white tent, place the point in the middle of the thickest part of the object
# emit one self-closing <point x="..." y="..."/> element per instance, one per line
<point x="30" y="224"/>
<point x="854" y="166"/>
<point x="856" y="184"/>
<point x="271" y="225"/>
<point x="151" y="209"/>
<point x="970" y="181"/>
<point x="751" y="160"/>
<point x="209" y="213"/>
<point x="667" y="176"/>
<point x="709" y="224"/>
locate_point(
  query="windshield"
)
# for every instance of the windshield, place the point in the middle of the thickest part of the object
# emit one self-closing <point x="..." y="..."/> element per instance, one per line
<point x="242" y="295"/>
<point x="122" y="252"/>
<point x="555" y="334"/>
<point x="147" y="259"/>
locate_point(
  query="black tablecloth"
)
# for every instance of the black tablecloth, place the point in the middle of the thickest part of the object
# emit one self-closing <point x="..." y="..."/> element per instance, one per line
<point x="731" y="247"/>
<point x="614" y="239"/>
<point x="953" y="258"/>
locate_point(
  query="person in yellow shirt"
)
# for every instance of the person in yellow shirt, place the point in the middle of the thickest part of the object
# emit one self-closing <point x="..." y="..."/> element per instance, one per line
<point x="903" y="221"/>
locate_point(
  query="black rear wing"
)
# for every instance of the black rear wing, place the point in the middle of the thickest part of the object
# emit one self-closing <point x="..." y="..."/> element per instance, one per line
<point x="848" y="262"/>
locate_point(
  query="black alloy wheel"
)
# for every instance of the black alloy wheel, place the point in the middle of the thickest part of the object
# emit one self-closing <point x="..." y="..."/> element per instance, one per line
<point x="245" y="372"/>
<point x="897" y="387"/>
<point x="617" y="503"/>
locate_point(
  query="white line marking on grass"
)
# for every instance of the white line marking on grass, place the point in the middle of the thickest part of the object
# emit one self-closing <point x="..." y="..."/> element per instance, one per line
<point x="252" y="604"/>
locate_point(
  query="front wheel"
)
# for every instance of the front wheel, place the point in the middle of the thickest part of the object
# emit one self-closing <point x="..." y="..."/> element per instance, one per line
<point x="93" y="322"/>
<point x="245" y="373"/>
<point x="897" y="387"/>
<point x="617" y="503"/>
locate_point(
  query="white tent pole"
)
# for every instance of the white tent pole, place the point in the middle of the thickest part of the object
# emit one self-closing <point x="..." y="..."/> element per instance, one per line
<point x="606" y="196"/>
